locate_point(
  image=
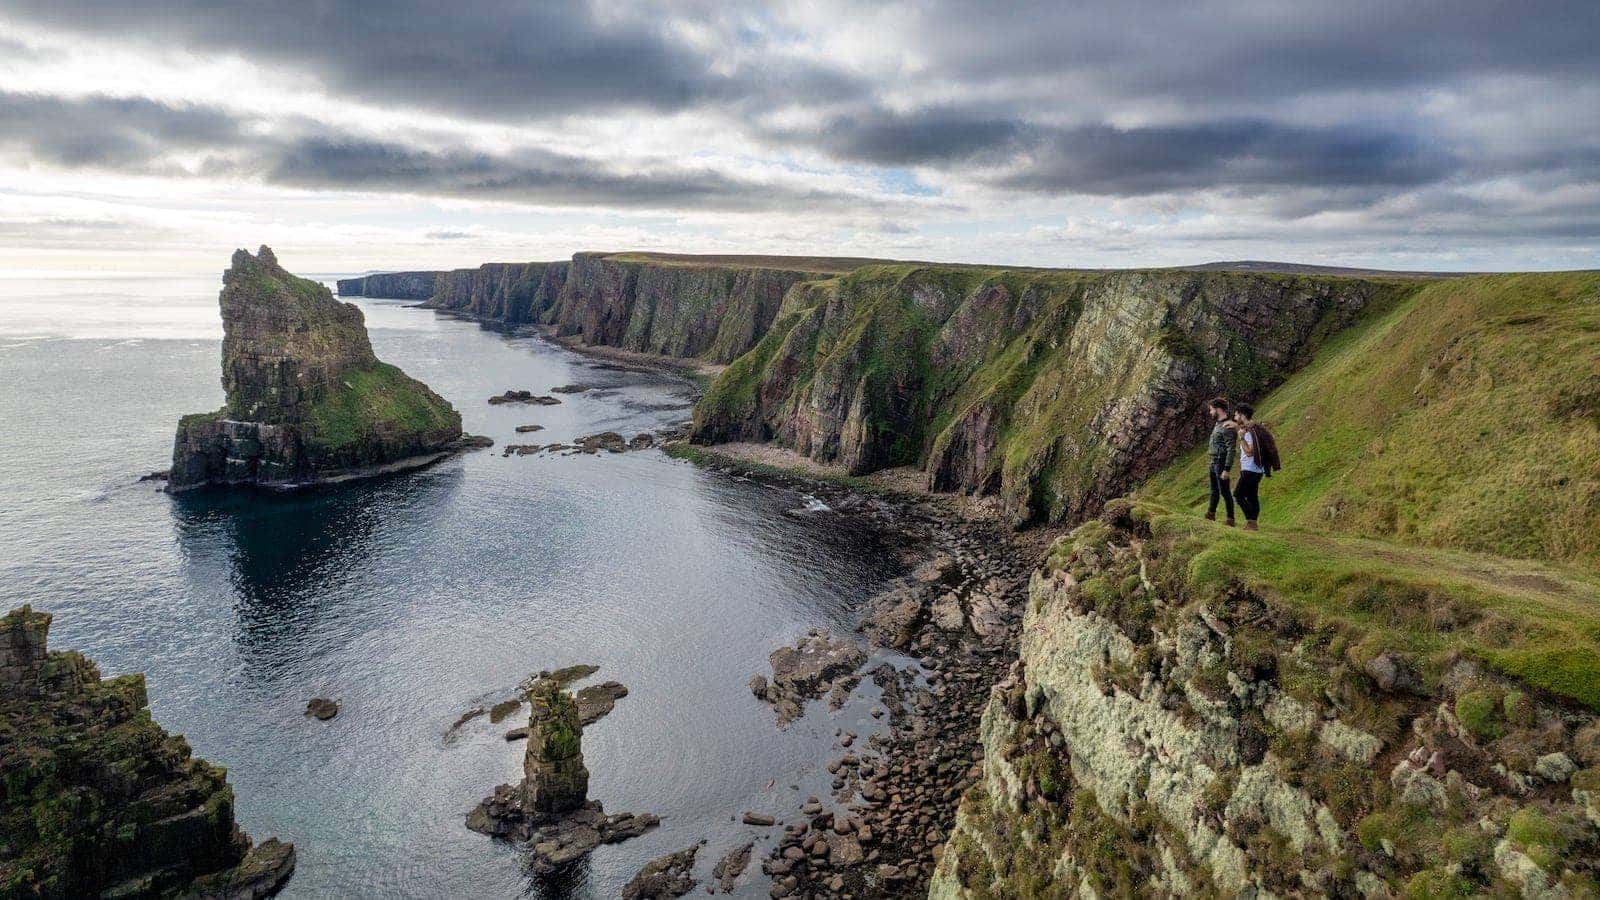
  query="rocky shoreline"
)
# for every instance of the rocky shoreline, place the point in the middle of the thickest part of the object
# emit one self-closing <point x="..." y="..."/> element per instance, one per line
<point x="954" y="617"/>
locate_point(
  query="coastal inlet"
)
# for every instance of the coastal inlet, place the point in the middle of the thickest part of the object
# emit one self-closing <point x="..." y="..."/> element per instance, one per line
<point x="411" y="599"/>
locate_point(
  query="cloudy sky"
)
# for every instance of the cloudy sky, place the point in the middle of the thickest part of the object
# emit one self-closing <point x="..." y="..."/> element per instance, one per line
<point x="156" y="135"/>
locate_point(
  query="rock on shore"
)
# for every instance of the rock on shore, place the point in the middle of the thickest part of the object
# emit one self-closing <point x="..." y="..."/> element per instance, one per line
<point x="307" y="400"/>
<point x="98" y="800"/>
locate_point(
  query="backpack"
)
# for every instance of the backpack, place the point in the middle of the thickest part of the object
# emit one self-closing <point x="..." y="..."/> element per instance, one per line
<point x="1266" y="448"/>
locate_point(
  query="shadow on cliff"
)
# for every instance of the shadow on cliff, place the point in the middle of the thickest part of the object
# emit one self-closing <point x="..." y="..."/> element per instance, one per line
<point x="290" y="559"/>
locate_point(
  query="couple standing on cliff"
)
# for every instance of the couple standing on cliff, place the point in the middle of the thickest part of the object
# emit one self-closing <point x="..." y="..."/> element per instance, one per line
<point x="1258" y="459"/>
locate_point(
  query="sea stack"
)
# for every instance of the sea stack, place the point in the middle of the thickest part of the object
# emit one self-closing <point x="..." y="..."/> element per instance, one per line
<point x="308" y="401"/>
<point x="98" y="800"/>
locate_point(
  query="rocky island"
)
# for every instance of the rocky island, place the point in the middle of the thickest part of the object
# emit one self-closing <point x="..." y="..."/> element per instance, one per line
<point x="308" y="402"/>
<point x="98" y="800"/>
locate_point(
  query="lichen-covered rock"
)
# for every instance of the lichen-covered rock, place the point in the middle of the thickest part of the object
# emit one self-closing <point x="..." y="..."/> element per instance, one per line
<point x="1158" y="740"/>
<point x="1057" y="390"/>
<point x="307" y="400"/>
<point x="98" y="800"/>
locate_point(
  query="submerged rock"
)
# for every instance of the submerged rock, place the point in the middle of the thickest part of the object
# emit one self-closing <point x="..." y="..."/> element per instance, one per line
<point x="98" y="799"/>
<point x="322" y="708"/>
<point x="307" y="400"/>
<point x="807" y="671"/>
<point x="666" y="876"/>
<point x="523" y="397"/>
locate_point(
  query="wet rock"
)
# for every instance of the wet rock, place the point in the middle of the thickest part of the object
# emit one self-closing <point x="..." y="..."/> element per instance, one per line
<point x="596" y="701"/>
<point x="730" y="867"/>
<point x="504" y="708"/>
<point x="806" y="670"/>
<point x="609" y="441"/>
<point x="529" y="429"/>
<point x="322" y="708"/>
<point x="758" y="686"/>
<point x="572" y="389"/>
<point x="666" y="876"/>
<point x="521" y="449"/>
<point x="475" y="442"/>
<point x="523" y="397"/>
<point x="894" y="618"/>
<point x="642" y="441"/>
<point x="759" y="819"/>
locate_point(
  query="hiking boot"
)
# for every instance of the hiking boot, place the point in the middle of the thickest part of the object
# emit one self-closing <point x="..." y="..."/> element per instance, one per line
<point x="1250" y="525"/>
<point x="1211" y="516"/>
<point x="1230" y="521"/>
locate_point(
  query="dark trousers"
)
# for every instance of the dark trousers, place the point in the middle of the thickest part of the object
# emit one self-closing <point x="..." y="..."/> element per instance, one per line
<point x="1249" y="495"/>
<point x="1219" y="490"/>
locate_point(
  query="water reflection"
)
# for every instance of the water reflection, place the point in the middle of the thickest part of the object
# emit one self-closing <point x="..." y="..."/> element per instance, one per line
<point x="291" y="557"/>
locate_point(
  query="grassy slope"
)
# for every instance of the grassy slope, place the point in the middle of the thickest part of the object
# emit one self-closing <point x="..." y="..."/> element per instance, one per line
<point x="1442" y="484"/>
<point x="372" y="404"/>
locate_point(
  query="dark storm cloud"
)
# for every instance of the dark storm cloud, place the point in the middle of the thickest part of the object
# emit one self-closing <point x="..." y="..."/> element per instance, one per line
<point x="109" y="132"/>
<point x="1250" y="154"/>
<point x="147" y="137"/>
<point x="1312" y="105"/>
<point x="496" y="59"/>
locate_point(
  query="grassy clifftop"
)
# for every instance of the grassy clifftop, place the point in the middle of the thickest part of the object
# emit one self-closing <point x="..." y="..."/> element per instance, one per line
<point x="1468" y="416"/>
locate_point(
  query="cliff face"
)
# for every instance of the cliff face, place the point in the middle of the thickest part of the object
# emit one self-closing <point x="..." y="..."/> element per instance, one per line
<point x="503" y="293"/>
<point x="393" y="285"/>
<point x="1172" y="734"/>
<point x="708" y="312"/>
<point x="1056" y="390"/>
<point x="98" y="799"/>
<point x="307" y="400"/>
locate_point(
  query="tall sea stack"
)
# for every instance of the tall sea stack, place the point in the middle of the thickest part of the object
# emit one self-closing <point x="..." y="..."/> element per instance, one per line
<point x="308" y="401"/>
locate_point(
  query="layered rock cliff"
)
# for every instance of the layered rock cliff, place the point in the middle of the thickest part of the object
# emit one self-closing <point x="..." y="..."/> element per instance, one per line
<point x="98" y="800"/>
<point x="307" y="400"/>
<point x="500" y="293"/>
<point x="678" y="309"/>
<point x="392" y="285"/>
<point x="1175" y="730"/>
<point x="1056" y="390"/>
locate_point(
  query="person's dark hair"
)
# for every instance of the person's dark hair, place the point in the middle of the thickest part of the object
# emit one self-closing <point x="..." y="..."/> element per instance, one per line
<point x="1219" y="403"/>
<point x="1245" y="410"/>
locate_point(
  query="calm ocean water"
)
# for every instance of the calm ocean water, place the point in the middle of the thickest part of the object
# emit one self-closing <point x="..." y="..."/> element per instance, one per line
<point x="413" y="598"/>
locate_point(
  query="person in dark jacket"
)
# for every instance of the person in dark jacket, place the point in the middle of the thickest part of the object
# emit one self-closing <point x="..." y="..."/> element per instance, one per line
<point x="1223" y="433"/>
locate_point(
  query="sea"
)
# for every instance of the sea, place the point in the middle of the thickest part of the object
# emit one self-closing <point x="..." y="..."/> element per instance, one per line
<point x="415" y="598"/>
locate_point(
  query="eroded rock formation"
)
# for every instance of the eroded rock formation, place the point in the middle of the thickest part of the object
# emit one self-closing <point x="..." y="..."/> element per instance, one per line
<point x="549" y="809"/>
<point x="307" y="400"/>
<point x="1057" y="390"/>
<point x="98" y="800"/>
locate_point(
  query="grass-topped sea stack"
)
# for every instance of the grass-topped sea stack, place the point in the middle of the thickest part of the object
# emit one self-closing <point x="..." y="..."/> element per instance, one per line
<point x="308" y="402"/>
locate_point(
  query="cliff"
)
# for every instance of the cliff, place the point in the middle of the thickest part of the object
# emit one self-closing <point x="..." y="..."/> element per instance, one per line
<point x="392" y="285"/>
<point x="500" y="293"/>
<point x="98" y="800"/>
<point x="1198" y="711"/>
<point x="676" y="306"/>
<point x="1391" y="690"/>
<point x="307" y="400"/>
<point x="1055" y="389"/>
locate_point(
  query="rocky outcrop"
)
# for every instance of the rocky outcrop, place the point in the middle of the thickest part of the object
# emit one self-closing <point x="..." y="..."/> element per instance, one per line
<point x="391" y="285"/>
<point x="1156" y="739"/>
<point x="1057" y="390"/>
<point x="549" y="809"/>
<point x="98" y="800"/>
<point x="682" y="310"/>
<point x="307" y="400"/>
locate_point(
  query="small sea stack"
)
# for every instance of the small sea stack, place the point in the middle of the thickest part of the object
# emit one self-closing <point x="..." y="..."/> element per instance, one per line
<point x="308" y="402"/>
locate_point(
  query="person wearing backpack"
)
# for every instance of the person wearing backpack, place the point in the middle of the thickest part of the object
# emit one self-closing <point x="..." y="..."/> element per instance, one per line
<point x="1258" y="459"/>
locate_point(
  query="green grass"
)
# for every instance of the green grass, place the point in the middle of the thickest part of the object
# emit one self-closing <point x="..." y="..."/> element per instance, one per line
<point x="1534" y="621"/>
<point x="376" y="404"/>
<point x="1467" y="416"/>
